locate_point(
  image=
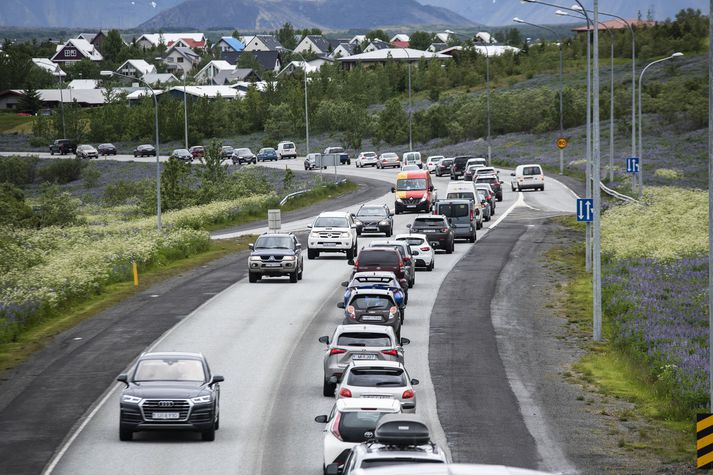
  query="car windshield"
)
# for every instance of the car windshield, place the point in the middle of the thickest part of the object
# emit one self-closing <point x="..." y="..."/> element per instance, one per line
<point x="243" y="151"/>
<point x="485" y="188"/>
<point x="354" y="425"/>
<point x="106" y="145"/>
<point x="372" y="302"/>
<point x="428" y="222"/>
<point x="227" y="147"/>
<point x="331" y="222"/>
<point x="460" y="196"/>
<point x="169" y="369"/>
<point x="446" y="163"/>
<point x="288" y="145"/>
<point x="408" y="184"/>
<point x="412" y="241"/>
<point x="373" y="378"/>
<point x="389" y="245"/>
<point x="461" y="161"/>
<point x="531" y="171"/>
<point x="180" y="151"/>
<point x="266" y="150"/>
<point x="376" y="211"/>
<point x="487" y="179"/>
<point x="368" y="154"/>
<point x="389" y="155"/>
<point x="274" y="242"/>
<point x="364" y="339"/>
<point x="382" y="462"/>
<point x="376" y="257"/>
<point x="454" y="210"/>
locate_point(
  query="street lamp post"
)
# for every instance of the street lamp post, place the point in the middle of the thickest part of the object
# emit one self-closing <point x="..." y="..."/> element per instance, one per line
<point x="61" y="102"/>
<point x="487" y="94"/>
<point x="304" y="70"/>
<point x="185" y="110"/>
<point x="158" y="163"/>
<point x="559" y="39"/>
<point x="410" y="103"/>
<point x="641" y="78"/>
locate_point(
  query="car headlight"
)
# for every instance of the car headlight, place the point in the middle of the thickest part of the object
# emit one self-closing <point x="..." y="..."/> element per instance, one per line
<point x="255" y="258"/>
<point x="130" y="399"/>
<point x="344" y="235"/>
<point x="288" y="258"/>
<point x="423" y="198"/>
<point x="358" y="223"/>
<point x="314" y="235"/>
<point x="384" y="223"/>
<point x="200" y="399"/>
<point x="398" y="200"/>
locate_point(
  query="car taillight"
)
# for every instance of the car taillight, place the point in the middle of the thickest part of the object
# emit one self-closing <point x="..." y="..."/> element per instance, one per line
<point x="408" y="394"/>
<point x="471" y="214"/>
<point x="425" y="249"/>
<point x="335" y="426"/>
<point x="407" y="259"/>
<point x="336" y="351"/>
<point x="344" y="392"/>
<point x="390" y="352"/>
<point x="401" y="264"/>
<point x="356" y="263"/>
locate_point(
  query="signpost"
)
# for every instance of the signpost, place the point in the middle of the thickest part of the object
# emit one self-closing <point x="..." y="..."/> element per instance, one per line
<point x="585" y="210"/>
<point x="632" y="165"/>
<point x="274" y="221"/>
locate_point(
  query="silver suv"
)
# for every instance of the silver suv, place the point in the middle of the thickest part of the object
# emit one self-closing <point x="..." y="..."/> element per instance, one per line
<point x="275" y="255"/>
<point x="399" y="439"/>
<point x="333" y="231"/>
<point x="358" y="343"/>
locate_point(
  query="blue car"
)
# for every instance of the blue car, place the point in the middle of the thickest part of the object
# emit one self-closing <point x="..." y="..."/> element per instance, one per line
<point x="379" y="280"/>
<point x="266" y="153"/>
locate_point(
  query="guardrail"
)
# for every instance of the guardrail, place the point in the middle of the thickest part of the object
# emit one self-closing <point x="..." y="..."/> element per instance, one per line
<point x="617" y="195"/>
<point x="301" y="192"/>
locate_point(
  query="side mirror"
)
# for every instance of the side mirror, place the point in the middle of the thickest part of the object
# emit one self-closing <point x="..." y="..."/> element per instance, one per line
<point x="298" y="246"/>
<point x="309" y="226"/>
<point x="251" y="246"/>
<point x="324" y="339"/>
<point x="123" y="378"/>
<point x="405" y="341"/>
<point x="408" y="226"/>
<point x="393" y="190"/>
<point x="332" y="380"/>
<point x="403" y="283"/>
<point x="353" y="226"/>
<point x="345" y="284"/>
<point x="322" y="419"/>
<point x="512" y="174"/>
<point x="340" y="304"/>
<point x="415" y="382"/>
<point x="333" y="469"/>
<point x="216" y="379"/>
<point x="430" y="188"/>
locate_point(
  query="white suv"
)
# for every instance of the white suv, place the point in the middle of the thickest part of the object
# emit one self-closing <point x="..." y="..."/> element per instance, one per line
<point x="333" y="231"/>
<point x="286" y="150"/>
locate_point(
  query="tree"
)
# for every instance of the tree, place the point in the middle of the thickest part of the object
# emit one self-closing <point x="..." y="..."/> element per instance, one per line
<point x="13" y="209"/>
<point x="392" y="125"/>
<point x="377" y="34"/>
<point x="175" y="185"/>
<point x="286" y="36"/>
<point x="112" y="46"/>
<point x="235" y="34"/>
<point x="420" y="40"/>
<point x="30" y="101"/>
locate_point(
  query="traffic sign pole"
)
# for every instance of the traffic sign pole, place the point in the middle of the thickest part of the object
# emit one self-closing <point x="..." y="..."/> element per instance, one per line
<point x="561" y="145"/>
<point x="710" y="204"/>
<point x="596" y="182"/>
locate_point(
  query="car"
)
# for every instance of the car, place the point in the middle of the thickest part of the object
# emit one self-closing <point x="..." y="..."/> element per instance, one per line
<point x="464" y="216"/>
<point x="275" y="255"/>
<point x="267" y="153"/>
<point x="486" y="210"/>
<point x="374" y="219"/>
<point x="170" y="391"/>
<point x="313" y="160"/>
<point x="344" y="158"/>
<point x="432" y="162"/>
<point x="358" y="342"/>
<point x="378" y="379"/>
<point x="243" y="155"/>
<point x="410" y="168"/>
<point x="388" y="159"/>
<point x="366" y="159"/>
<point x="198" y="151"/>
<point x="145" y="150"/>
<point x="86" y="151"/>
<point x="414" y="191"/>
<point x="373" y="259"/>
<point x="412" y="158"/>
<point x="333" y="231"/>
<point x="286" y="150"/>
<point x="471" y="171"/>
<point x="351" y="422"/>
<point x="494" y="183"/>
<point x="106" y="149"/>
<point x="424" y="255"/>
<point x="379" y="280"/>
<point x="461" y="190"/>
<point x="485" y="170"/>
<point x="444" y="167"/>
<point x="528" y="177"/>
<point x="62" y="147"/>
<point x="401" y="442"/>
<point x="226" y="152"/>
<point x="458" y="167"/>
<point x="490" y="195"/>
<point x="333" y="150"/>
<point x="448" y="469"/>
<point x="372" y="306"/>
<point x="406" y="256"/>
<point x="439" y="231"/>
<point x="182" y="154"/>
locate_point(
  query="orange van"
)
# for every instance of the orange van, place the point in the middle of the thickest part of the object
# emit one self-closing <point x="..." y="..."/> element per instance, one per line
<point x="414" y="192"/>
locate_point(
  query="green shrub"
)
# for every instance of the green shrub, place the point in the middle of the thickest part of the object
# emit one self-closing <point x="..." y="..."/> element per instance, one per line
<point x="56" y="208"/>
<point x="122" y="191"/>
<point x="18" y="170"/>
<point x="91" y="175"/>
<point x="62" y="171"/>
<point x="13" y="209"/>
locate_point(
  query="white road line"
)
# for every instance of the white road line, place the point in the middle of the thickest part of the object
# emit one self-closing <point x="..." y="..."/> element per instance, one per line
<point x="520" y="202"/>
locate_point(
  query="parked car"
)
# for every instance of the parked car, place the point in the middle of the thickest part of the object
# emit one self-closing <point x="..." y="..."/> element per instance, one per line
<point x="170" y="391"/>
<point x="494" y="183"/>
<point x="464" y="216"/>
<point x="374" y="219"/>
<point x="379" y="280"/>
<point x="358" y="342"/>
<point x="439" y="231"/>
<point x="528" y="177"/>
<point x="406" y="256"/>
<point x="458" y="167"/>
<point x="366" y="159"/>
<point x="198" y="151"/>
<point x="267" y="153"/>
<point x="226" y="152"/>
<point x="243" y="155"/>
<point x="333" y="150"/>
<point x="87" y="151"/>
<point x="333" y="231"/>
<point x="182" y="154"/>
<point x="432" y="162"/>
<point x="351" y="422"/>
<point x="378" y="379"/>
<point x="313" y="160"/>
<point x="382" y="260"/>
<point x="388" y="159"/>
<point x="286" y="150"/>
<point x="63" y="147"/>
<point x="275" y="255"/>
<point x="412" y="158"/>
<point x="145" y="150"/>
<point x="414" y="191"/>
<point x="106" y="149"/>
<point x="423" y="253"/>
<point x="444" y="167"/>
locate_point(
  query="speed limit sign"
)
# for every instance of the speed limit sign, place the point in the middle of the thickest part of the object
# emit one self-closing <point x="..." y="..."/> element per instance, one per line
<point x="562" y="143"/>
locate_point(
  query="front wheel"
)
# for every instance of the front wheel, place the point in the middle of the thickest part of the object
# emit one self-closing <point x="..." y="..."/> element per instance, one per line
<point x="294" y="277"/>
<point x="126" y="435"/>
<point x="328" y="389"/>
<point x="253" y="277"/>
<point x="311" y="254"/>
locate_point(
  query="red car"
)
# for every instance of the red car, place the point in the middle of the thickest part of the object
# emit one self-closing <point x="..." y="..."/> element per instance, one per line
<point x="197" y="151"/>
<point x="380" y="259"/>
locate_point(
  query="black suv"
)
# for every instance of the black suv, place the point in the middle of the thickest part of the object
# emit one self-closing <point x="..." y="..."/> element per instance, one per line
<point x="275" y="255"/>
<point x="374" y="219"/>
<point x="63" y="147"/>
<point x="145" y="150"/>
<point x="437" y="229"/>
<point x="444" y="167"/>
<point x="167" y="391"/>
<point x="458" y="167"/>
<point x="494" y="183"/>
<point x="241" y="155"/>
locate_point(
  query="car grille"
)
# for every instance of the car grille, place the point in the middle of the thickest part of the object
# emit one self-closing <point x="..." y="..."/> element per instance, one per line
<point x="271" y="258"/>
<point x="333" y="235"/>
<point x="411" y="201"/>
<point x="182" y="406"/>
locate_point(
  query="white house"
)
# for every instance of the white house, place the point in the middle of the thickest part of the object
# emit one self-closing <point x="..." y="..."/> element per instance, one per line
<point x="136" y="68"/>
<point x="261" y="43"/>
<point x="212" y="69"/>
<point x="76" y="50"/>
<point x="83" y="84"/>
<point x="309" y="66"/>
<point x="358" y="39"/>
<point x="406" y="55"/>
<point x="153" y="40"/>
<point x="49" y="66"/>
<point x="443" y="37"/>
<point x="315" y="44"/>
<point x="376" y="45"/>
<point x="181" y="60"/>
<point x="157" y="79"/>
<point x="343" y="50"/>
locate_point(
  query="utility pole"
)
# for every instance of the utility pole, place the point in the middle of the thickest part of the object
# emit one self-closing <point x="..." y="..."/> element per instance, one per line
<point x="596" y="182"/>
<point x="588" y="172"/>
<point x="710" y="203"/>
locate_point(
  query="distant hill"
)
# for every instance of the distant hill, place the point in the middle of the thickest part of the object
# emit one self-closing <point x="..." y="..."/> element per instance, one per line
<point x="325" y="14"/>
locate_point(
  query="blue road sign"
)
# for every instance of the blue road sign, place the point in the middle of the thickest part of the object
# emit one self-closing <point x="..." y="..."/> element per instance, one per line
<point x="585" y="210"/>
<point x="632" y="165"/>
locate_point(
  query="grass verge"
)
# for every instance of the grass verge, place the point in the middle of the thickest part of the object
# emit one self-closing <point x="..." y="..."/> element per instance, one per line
<point x="12" y="123"/>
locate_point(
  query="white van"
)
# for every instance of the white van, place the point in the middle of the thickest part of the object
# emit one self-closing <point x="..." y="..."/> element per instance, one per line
<point x="461" y="190"/>
<point x="412" y="158"/>
<point x="286" y="150"/>
<point x="528" y="177"/>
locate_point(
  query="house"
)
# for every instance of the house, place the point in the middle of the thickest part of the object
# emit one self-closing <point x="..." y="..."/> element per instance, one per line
<point x="406" y="55"/>
<point x="358" y="39"/>
<point x="262" y="43"/>
<point x="376" y="45"/>
<point x="136" y="68"/>
<point x="49" y="66"/>
<point x="210" y="70"/>
<point x="315" y="44"/>
<point x="153" y="40"/>
<point x="443" y="37"/>
<point x="211" y="92"/>
<point x="76" y="50"/>
<point x="344" y="49"/>
<point x="238" y="75"/>
<point x="437" y="47"/>
<point x="616" y="25"/>
<point x="228" y="43"/>
<point x="52" y="97"/>
<point x="400" y="41"/>
<point x="309" y="66"/>
<point x="158" y="79"/>
<point x="181" y="60"/>
<point x="486" y="50"/>
<point x="83" y="84"/>
<point x="267" y="60"/>
<point x="96" y="39"/>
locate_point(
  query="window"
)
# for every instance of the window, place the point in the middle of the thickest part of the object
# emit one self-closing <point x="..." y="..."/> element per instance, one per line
<point x="179" y="60"/>
<point x="169" y="370"/>
<point x="461" y="196"/>
<point x="274" y="242"/>
<point x="364" y="339"/>
<point x="331" y="222"/>
<point x="531" y="171"/>
<point x="454" y="210"/>
<point x="380" y="462"/>
<point x="409" y="184"/>
<point x="371" y="302"/>
<point x="429" y="222"/>
<point x="374" y="378"/>
<point x="374" y="257"/>
<point x="378" y="212"/>
<point x="353" y="425"/>
<point x="412" y="241"/>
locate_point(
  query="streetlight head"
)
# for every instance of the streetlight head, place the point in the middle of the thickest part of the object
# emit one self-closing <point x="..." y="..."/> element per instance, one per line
<point x="577" y="8"/>
<point x="106" y="73"/>
<point x="517" y="20"/>
<point x="676" y="55"/>
<point x="561" y="13"/>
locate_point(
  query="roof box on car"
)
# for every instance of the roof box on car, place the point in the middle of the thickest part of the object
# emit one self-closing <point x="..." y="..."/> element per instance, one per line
<point x="402" y="429"/>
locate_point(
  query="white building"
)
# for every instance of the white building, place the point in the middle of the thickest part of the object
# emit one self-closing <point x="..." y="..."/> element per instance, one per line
<point x="136" y="68"/>
<point x="212" y="69"/>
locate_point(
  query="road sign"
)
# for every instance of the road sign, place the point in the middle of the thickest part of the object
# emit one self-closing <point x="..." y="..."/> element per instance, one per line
<point x="632" y="165"/>
<point x="585" y="210"/>
<point x="274" y="221"/>
<point x="704" y="441"/>
<point x="562" y="143"/>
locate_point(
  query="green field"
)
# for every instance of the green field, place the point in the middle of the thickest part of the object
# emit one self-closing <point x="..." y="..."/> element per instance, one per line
<point x="11" y="123"/>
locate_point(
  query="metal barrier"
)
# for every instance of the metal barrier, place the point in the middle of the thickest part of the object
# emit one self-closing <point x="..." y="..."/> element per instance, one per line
<point x="301" y="192"/>
<point x="617" y="195"/>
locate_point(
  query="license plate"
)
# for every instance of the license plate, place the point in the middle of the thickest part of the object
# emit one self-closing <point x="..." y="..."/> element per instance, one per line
<point x="371" y="229"/>
<point x="375" y="396"/>
<point x="363" y="357"/>
<point x="330" y="244"/>
<point x="272" y="264"/>
<point x="165" y="415"/>
<point x="371" y="318"/>
<point x="528" y="178"/>
<point x="410" y="206"/>
<point x="428" y="230"/>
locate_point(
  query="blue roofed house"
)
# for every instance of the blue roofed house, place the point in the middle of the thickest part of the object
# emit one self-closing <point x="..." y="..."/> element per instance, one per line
<point x="228" y="43"/>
